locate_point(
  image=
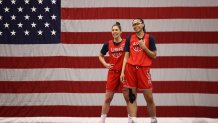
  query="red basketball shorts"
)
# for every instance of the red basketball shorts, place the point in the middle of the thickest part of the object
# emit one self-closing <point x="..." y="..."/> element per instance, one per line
<point x="113" y="81"/>
<point x="138" y="77"/>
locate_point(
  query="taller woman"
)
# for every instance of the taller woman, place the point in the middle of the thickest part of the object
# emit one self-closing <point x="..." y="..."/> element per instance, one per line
<point x="140" y="49"/>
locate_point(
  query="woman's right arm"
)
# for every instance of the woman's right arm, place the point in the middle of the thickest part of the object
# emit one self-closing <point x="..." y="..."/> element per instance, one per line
<point x="102" y="60"/>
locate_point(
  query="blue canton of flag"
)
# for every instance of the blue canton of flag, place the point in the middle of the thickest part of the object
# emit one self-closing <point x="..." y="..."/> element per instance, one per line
<point x="29" y="21"/>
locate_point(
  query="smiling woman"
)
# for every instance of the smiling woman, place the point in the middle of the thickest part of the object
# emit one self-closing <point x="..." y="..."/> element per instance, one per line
<point x="115" y="48"/>
<point x="140" y="50"/>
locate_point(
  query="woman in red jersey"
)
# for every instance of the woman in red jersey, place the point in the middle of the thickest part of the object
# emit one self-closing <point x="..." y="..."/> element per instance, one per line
<point x="115" y="48"/>
<point x="140" y="49"/>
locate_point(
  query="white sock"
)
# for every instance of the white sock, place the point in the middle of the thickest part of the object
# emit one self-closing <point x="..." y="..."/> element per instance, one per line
<point x="103" y="117"/>
<point x="129" y="118"/>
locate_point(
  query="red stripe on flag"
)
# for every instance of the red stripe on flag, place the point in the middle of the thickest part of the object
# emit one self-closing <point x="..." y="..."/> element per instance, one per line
<point x="161" y="37"/>
<point x="145" y="13"/>
<point x="95" y="111"/>
<point x="93" y="62"/>
<point x="90" y="87"/>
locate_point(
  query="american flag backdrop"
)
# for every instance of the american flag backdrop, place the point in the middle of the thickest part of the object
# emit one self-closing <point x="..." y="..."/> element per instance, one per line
<point x="49" y="56"/>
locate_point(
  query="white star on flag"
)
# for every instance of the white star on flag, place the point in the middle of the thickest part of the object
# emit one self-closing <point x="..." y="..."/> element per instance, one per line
<point x="20" y="25"/>
<point x="27" y="17"/>
<point x="0" y="17"/>
<point x="13" y="17"/>
<point x="26" y="1"/>
<point x="26" y="32"/>
<point x="40" y="1"/>
<point x="13" y="1"/>
<point x="33" y="25"/>
<point x="13" y="32"/>
<point x="20" y="9"/>
<point x="33" y="9"/>
<point x="0" y="33"/>
<point x="53" y="1"/>
<point x="40" y="17"/>
<point x="47" y="9"/>
<point x="40" y="32"/>
<point x="6" y="25"/>
<point x="53" y="17"/>
<point x="53" y="32"/>
<point x="6" y="9"/>
<point x="47" y="24"/>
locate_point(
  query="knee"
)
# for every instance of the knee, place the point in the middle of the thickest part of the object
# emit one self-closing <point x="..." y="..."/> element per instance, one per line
<point x="108" y="99"/>
<point x="126" y="96"/>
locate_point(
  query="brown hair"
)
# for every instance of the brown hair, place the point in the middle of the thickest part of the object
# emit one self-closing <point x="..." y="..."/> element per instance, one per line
<point x="118" y="25"/>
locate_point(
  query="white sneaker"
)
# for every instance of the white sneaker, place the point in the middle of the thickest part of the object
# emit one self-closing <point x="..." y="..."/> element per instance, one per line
<point x="153" y="120"/>
<point x="102" y="119"/>
<point x="134" y="121"/>
<point x="131" y="122"/>
<point x="101" y="122"/>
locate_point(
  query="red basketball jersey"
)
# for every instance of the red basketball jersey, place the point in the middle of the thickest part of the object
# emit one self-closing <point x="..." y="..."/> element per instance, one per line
<point x="116" y="54"/>
<point x="137" y="54"/>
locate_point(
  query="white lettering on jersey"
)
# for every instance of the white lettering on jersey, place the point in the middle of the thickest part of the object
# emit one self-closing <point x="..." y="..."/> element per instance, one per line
<point x="136" y="47"/>
<point x="118" y="51"/>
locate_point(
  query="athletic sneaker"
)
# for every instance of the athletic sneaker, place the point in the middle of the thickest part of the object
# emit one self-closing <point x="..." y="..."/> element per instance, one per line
<point x="101" y="121"/>
<point x="153" y="120"/>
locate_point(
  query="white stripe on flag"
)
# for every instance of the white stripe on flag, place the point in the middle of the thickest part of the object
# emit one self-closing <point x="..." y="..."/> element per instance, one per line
<point x="172" y="74"/>
<point x="152" y="25"/>
<point x="89" y="99"/>
<point x="94" y="50"/>
<point x="136" y="3"/>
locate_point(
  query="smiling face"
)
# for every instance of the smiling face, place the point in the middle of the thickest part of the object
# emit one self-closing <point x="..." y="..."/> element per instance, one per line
<point x="116" y="32"/>
<point x="137" y="25"/>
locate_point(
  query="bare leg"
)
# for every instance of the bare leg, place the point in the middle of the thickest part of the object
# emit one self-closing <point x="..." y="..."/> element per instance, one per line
<point x="106" y="105"/>
<point x="150" y="103"/>
<point x="126" y="97"/>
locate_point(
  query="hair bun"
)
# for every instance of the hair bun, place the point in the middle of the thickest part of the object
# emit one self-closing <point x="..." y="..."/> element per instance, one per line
<point x="118" y="23"/>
